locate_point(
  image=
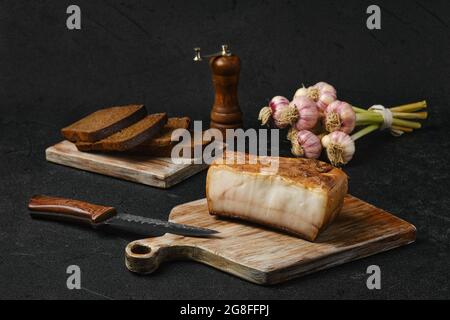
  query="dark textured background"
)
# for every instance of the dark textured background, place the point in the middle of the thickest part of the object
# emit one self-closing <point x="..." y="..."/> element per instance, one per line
<point x="141" y="51"/>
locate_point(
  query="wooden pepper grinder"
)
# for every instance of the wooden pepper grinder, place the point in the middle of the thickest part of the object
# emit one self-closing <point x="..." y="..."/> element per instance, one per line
<point x="225" y="67"/>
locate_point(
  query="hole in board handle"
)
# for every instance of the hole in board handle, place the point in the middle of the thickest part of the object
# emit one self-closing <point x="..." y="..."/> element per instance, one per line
<point x="140" y="249"/>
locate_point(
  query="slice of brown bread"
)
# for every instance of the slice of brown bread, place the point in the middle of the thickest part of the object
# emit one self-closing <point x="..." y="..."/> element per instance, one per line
<point x="194" y="144"/>
<point x="166" y="150"/>
<point x="129" y="137"/>
<point x="104" y="122"/>
<point x="164" y="138"/>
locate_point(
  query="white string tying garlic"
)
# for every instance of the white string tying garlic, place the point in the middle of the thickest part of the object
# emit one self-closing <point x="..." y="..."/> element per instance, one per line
<point x="388" y="118"/>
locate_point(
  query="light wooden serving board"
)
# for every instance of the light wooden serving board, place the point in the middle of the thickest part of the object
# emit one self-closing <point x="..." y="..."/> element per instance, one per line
<point x="264" y="256"/>
<point x="157" y="172"/>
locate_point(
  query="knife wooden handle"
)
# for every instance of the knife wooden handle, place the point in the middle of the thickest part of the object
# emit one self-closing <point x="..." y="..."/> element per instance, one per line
<point x="54" y="208"/>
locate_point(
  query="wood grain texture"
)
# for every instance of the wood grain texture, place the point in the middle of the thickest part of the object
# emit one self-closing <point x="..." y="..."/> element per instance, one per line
<point x="62" y="207"/>
<point x="157" y="172"/>
<point x="225" y="113"/>
<point x="265" y="256"/>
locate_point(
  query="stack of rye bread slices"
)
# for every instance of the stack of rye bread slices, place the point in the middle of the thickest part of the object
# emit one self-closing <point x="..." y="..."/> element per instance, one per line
<point x="127" y="129"/>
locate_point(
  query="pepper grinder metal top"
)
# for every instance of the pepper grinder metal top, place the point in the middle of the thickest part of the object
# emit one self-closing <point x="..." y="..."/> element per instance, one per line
<point x="225" y="67"/>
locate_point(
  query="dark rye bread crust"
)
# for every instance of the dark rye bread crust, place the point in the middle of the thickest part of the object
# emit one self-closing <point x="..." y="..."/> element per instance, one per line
<point x="164" y="138"/>
<point x="166" y="150"/>
<point x="129" y="137"/>
<point x="162" y="144"/>
<point x="104" y="122"/>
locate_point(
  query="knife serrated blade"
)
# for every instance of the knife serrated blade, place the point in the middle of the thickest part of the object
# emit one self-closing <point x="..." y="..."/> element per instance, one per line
<point x="98" y="216"/>
<point x="142" y="223"/>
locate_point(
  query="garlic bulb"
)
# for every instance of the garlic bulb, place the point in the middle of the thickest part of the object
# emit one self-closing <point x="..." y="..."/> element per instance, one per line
<point x="339" y="146"/>
<point x="305" y="144"/>
<point x="339" y="116"/>
<point x="274" y="111"/>
<point x="322" y="93"/>
<point x="302" y="113"/>
<point x="325" y="93"/>
<point x="302" y="92"/>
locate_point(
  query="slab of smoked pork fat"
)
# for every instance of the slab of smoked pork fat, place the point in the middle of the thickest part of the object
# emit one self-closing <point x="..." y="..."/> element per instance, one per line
<point x="301" y="197"/>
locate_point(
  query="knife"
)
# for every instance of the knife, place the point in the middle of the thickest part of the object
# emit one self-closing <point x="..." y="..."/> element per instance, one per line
<point x="98" y="216"/>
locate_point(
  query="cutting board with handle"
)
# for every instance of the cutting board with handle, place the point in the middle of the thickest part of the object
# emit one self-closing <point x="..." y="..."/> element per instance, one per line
<point x="152" y="171"/>
<point x="265" y="256"/>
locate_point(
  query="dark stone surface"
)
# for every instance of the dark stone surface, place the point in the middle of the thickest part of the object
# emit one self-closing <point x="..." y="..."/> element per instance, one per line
<point x="141" y="51"/>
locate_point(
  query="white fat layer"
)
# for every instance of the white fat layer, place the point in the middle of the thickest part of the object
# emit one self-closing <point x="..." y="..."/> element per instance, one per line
<point x="267" y="198"/>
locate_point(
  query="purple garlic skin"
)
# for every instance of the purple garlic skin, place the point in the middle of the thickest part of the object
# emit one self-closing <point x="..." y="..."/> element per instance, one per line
<point x="278" y="105"/>
<point x="308" y="114"/>
<point x="307" y="145"/>
<point x="339" y="116"/>
<point x="274" y="112"/>
<point x="322" y="93"/>
<point x="326" y="94"/>
<point x="340" y="147"/>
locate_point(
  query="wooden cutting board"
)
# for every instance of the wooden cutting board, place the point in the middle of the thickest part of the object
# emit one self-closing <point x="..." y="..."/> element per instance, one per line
<point x="157" y="172"/>
<point x="264" y="256"/>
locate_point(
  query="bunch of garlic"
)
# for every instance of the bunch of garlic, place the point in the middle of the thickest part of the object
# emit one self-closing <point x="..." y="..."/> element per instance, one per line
<point x="317" y="121"/>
